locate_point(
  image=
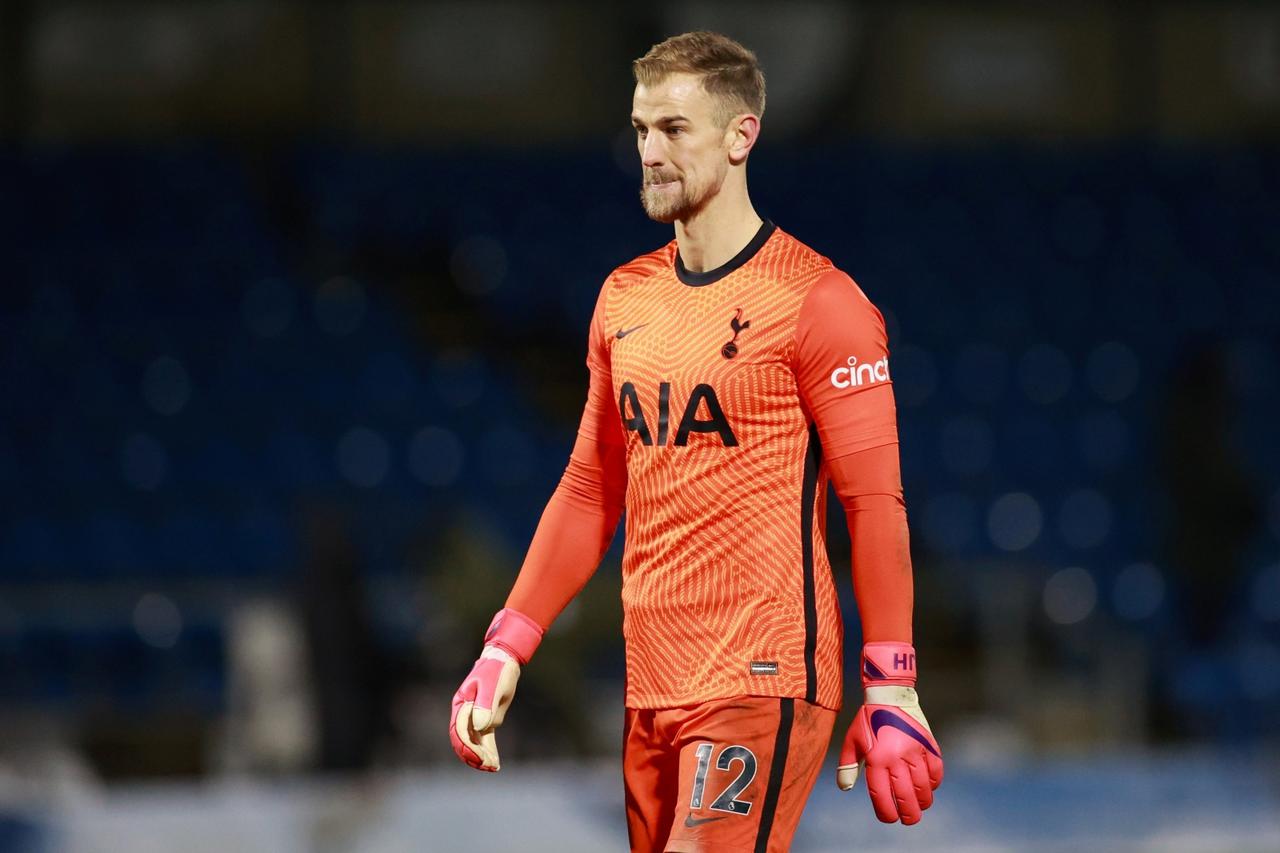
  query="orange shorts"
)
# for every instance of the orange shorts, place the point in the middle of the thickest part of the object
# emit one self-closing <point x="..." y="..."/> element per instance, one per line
<point x="727" y="776"/>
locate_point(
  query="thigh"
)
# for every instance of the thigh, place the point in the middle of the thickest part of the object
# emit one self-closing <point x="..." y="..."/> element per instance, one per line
<point x="747" y="766"/>
<point x="650" y="776"/>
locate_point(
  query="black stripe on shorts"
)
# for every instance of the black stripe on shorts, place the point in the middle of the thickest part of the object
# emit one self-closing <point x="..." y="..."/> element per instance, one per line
<point x="777" y="771"/>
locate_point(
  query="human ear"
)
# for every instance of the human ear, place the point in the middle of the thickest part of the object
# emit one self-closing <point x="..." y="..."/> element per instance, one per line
<point x="743" y="131"/>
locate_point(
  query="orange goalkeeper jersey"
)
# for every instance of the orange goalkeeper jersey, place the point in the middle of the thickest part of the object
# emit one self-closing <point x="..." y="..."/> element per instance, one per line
<point x="730" y="391"/>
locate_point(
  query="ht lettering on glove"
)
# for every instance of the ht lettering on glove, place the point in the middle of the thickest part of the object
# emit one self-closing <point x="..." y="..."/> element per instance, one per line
<point x="481" y="703"/>
<point x="890" y="738"/>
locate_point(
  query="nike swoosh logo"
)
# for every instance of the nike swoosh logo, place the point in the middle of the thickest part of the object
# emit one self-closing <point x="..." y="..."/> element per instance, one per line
<point x="691" y="821"/>
<point x="622" y="333"/>
<point x="882" y="718"/>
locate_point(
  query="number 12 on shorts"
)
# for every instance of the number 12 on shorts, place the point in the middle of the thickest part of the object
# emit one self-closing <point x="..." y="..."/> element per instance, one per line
<point x="727" y="801"/>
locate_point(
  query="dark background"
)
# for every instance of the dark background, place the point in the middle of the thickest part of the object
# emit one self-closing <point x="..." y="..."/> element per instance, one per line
<point x="292" y="332"/>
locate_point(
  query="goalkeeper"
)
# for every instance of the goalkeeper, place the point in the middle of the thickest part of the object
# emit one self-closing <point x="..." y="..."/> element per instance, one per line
<point x="734" y="373"/>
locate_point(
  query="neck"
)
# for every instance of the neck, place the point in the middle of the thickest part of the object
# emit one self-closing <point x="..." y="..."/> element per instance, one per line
<point x="719" y="230"/>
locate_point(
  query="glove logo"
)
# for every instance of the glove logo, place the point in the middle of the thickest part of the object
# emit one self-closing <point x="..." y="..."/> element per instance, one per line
<point x="881" y="718"/>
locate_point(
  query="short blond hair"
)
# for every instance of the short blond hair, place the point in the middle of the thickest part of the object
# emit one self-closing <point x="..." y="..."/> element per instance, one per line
<point x="730" y="72"/>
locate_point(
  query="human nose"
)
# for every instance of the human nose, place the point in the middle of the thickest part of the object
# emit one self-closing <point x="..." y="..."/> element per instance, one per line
<point x="651" y="150"/>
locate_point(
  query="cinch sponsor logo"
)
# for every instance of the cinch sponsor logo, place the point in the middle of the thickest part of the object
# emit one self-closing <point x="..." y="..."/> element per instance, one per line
<point x="857" y="375"/>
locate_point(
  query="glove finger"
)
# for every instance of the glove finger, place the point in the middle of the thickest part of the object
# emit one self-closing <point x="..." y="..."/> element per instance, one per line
<point x="904" y="793"/>
<point x="847" y="776"/>
<point x="480" y="741"/>
<point x="934" y="765"/>
<point x="482" y="719"/>
<point x="849" y="747"/>
<point x="460" y="736"/>
<point x="459" y="748"/>
<point x="504" y="692"/>
<point x="489" y="752"/>
<point x="881" y="790"/>
<point x="920" y="782"/>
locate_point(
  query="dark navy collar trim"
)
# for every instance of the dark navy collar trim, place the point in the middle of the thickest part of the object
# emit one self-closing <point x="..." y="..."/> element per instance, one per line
<point x="698" y="279"/>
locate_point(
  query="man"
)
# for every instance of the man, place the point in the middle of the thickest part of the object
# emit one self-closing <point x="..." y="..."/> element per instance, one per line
<point x="733" y="373"/>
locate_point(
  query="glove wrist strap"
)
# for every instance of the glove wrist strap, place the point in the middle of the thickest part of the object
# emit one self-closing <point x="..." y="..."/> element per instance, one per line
<point x="514" y="633"/>
<point x="888" y="664"/>
<point x="891" y="695"/>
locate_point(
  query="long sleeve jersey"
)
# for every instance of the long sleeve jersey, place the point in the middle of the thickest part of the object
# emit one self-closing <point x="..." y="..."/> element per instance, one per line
<point x="720" y="406"/>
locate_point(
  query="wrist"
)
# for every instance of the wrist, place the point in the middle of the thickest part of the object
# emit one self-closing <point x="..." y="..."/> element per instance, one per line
<point x="497" y="653"/>
<point x="888" y="664"/>
<point x="890" y="695"/>
<point x="514" y="634"/>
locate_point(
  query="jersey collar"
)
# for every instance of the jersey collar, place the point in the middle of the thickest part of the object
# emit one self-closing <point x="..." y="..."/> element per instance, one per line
<point x="698" y="279"/>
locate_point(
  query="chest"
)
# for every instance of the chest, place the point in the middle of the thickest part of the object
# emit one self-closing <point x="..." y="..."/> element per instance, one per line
<point x="694" y="365"/>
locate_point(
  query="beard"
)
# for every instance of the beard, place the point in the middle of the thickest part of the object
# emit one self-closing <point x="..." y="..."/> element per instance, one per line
<point x="670" y="204"/>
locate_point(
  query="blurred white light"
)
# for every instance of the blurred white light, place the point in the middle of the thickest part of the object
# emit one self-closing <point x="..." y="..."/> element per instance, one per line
<point x="268" y="308"/>
<point x="1085" y="518"/>
<point x="458" y="376"/>
<point x="1113" y="371"/>
<point x="508" y="456"/>
<point x="1044" y="373"/>
<point x="967" y="445"/>
<point x="915" y="376"/>
<point x="1266" y="594"/>
<point x="1138" y="591"/>
<point x="981" y="372"/>
<point x="143" y="461"/>
<point x="1014" y="521"/>
<point x="157" y="620"/>
<point x="166" y="386"/>
<point x="435" y="456"/>
<point x="950" y="521"/>
<point x="479" y="265"/>
<point x="340" y="306"/>
<point x="363" y="457"/>
<point x="1070" y="596"/>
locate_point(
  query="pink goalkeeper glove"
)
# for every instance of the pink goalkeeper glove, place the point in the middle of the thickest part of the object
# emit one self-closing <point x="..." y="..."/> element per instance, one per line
<point x="891" y="738"/>
<point x="480" y="705"/>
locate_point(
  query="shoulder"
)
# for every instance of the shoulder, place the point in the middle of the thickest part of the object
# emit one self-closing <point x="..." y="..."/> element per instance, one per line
<point x="640" y="269"/>
<point x="835" y="291"/>
<point x="634" y="273"/>
<point x="797" y="266"/>
<point x="823" y="287"/>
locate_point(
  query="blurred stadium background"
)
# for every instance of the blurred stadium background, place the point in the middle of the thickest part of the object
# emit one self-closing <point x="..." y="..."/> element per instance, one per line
<point x="291" y="343"/>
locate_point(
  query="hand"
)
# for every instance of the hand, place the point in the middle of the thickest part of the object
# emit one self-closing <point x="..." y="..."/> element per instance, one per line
<point x="891" y="738"/>
<point x="480" y="704"/>
<point x="479" y="707"/>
